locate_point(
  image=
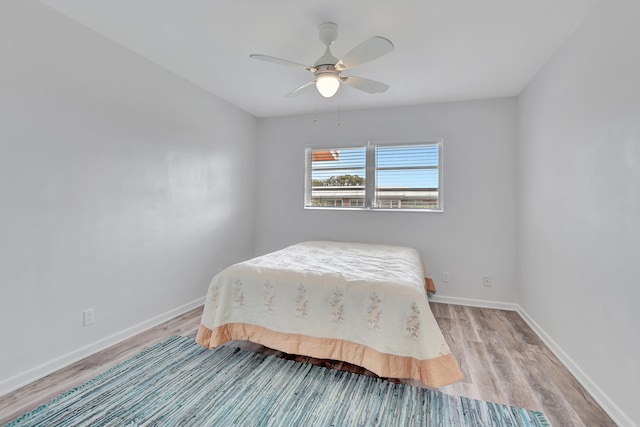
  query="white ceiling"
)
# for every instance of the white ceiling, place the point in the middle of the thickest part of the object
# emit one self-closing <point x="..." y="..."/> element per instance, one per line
<point x="445" y="50"/>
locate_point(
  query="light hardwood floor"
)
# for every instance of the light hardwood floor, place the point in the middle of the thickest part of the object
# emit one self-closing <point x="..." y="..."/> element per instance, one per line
<point x="502" y="359"/>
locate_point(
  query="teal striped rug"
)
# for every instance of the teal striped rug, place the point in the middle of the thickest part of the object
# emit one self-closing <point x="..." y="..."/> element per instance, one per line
<point x="179" y="383"/>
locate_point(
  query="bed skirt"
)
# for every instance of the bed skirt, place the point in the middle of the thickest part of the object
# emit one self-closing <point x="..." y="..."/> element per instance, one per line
<point x="432" y="373"/>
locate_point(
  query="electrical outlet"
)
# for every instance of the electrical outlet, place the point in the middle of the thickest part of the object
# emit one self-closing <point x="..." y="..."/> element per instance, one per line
<point x="486" y="281"/>
<point x="87" y="317"/>
<point x="445" y="277"/>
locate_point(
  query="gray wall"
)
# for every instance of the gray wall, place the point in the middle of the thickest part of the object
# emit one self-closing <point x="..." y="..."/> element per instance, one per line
<point x="474" y="237"/>
<point x="123" y="188"/>
<point x="579" y="203"/>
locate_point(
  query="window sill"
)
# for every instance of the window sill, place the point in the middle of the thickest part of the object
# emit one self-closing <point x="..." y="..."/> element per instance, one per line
<point x="323" y="208"/>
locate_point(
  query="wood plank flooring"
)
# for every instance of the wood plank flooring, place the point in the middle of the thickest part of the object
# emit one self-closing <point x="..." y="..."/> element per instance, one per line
<point x="502" y="359"/>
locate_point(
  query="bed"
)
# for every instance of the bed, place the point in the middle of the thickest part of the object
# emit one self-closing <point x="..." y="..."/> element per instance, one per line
<point x="359" y="303"/>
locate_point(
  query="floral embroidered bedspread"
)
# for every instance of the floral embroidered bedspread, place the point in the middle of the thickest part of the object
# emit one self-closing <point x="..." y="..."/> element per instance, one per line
<point x="336" y="294"/>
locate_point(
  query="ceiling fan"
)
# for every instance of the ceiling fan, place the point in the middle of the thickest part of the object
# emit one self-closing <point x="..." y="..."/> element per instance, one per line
<point x="328" y="69"/>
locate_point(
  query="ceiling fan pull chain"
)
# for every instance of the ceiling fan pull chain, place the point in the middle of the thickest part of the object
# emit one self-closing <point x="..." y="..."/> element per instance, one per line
<point x="315" y="108"/>
<point x="339" y="106"/>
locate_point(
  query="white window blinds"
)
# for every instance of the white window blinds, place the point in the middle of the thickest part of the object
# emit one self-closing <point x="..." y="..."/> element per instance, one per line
<point x="407" y="177"/>
<point x="337" y="177"/>
<point x="377" y="176"/>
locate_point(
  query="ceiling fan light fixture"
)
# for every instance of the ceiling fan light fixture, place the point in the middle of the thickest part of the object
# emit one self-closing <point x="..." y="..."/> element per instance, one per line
<point x="327" y="84"/>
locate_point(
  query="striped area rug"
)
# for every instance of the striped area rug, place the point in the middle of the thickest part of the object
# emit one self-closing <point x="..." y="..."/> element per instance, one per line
<point x="179" y="383"/>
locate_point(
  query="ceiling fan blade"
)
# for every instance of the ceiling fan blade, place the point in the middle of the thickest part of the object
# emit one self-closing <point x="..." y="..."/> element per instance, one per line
<point x="281" y="61"/>
<point x="366" y="51"/>
<point x="365" y="85"/>
<point x="305" y="87"/>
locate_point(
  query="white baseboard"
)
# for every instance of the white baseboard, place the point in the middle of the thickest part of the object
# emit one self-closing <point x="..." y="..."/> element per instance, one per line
<point x="618" y="416"/>
<point x="33" y="374"/>
<point x="475" y="302"/>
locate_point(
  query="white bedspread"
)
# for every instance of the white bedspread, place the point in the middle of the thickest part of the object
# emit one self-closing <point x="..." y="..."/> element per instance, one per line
<point x="370" y="295"/>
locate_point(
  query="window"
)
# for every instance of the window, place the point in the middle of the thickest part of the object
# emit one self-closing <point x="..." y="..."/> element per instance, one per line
<point x="377" y="176"/>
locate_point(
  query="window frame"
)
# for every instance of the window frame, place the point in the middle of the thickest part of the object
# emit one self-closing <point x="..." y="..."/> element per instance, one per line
<point x="370" y="174"/>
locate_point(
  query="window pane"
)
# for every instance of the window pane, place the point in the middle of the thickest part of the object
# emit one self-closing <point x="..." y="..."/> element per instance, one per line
<point x="338" y="177"/>
<point x="411" y="155"/>
<point x="407" y="177"/>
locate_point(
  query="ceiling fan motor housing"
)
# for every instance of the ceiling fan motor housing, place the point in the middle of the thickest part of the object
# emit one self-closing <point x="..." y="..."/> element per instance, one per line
<point x="326" y="69"/>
